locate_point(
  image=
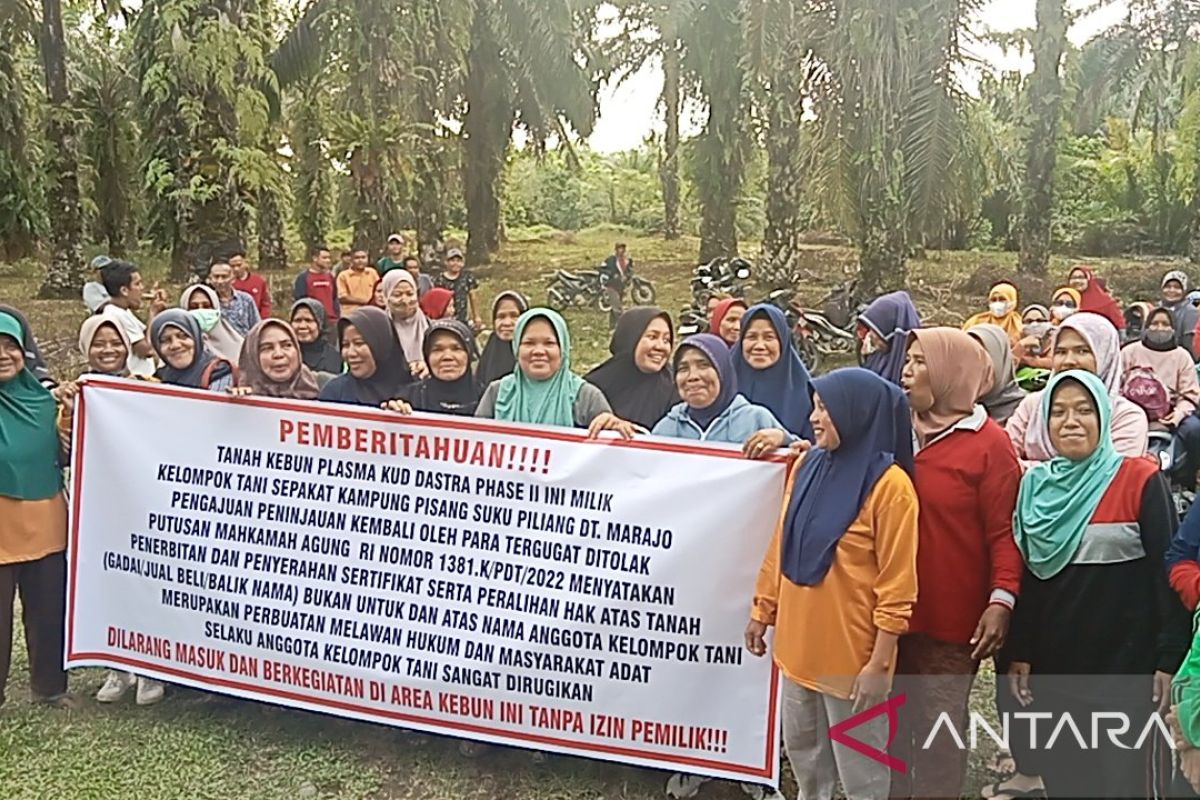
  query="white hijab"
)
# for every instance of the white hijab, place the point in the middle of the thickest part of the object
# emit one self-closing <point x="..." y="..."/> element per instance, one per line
<point x="411" y="331"/>
<point x="1105" y="343"/>
<point x="224" y="339"/>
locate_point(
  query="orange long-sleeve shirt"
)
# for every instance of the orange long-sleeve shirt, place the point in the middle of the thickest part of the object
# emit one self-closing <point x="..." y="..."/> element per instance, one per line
<point x="356" y="289"/>
<point x="824" y="634"/>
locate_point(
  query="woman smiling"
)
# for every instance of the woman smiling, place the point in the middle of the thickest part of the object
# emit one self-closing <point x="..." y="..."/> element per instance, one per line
<point x="637" y="379"/>
<point x="179" y="342"/>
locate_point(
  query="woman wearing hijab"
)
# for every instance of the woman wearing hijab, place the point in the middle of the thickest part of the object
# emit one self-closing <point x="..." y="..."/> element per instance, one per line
<point x="202" y="302"/>
<point x="1175" y="299"/>
<point x="450" y="387"/>
<point x="437" y="303"/>
<point x="318" y="353"/>
<point x="1002" y="312"/>
<point x="726" y="320"/>
<point x="498" y="358"/>
<point x="1095" y="297"/>
<point x="770" y="372"/>
<point x="712" y="410"/>
<point x="105" y="345"/>
<point x="33" y="354"/>
<point x="1005" y="395"/>
<point x="637" y="379"/>
<point x="968" y="567"/>
<point x="376" y="366"/>
<point x="1065" y="302"/>
<point x="400" y="289"/>
<point x="1093" y="527"/>
<point x="1035" y="312"/>
<point x="33" y="518"/>
<point x="839" y="581"/>
<point x="542" y="390"/>
<point x="187" y="361"/>
<point x="270" y="364"/>
<point x="1083" y="342"/>
<point x="883" y="330"/>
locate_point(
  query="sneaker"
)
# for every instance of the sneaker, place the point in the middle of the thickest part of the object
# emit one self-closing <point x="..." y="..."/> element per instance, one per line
<point x="149" y="691"/>
<point x="115" y="686"/>
<point x="760" y="792"/>
<point x="681" y="786"/>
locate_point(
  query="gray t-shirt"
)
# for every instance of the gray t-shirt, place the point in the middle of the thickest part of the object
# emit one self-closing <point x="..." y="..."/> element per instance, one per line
<point x="589" y="404"/>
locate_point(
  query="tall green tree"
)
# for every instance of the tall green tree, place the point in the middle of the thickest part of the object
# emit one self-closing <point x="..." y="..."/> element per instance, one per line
<point x="715" y="48"/>
<point x="1041" y="144"/>
<point x="530" y="64"/>
<point x="203" y="84"/>
<point x="312" y="179"/>
<point x="23" y="218"/>
<point x="890" y="113"/>
<point x="65" y="276"/>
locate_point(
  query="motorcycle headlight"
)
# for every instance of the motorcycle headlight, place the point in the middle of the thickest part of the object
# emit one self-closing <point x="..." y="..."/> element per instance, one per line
<point x="743" y="273"/>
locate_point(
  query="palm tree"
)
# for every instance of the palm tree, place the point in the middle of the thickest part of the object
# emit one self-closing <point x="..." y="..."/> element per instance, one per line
<point x="22" y="215"/>
<point x="530" y="64"/>
<point x="890" y="114"/>
<point x="65" y="275"/>
<point x="1041" y="146"/>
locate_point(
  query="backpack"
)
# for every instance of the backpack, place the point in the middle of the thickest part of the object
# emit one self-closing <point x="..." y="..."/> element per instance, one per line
<point x="1148" y="392"/>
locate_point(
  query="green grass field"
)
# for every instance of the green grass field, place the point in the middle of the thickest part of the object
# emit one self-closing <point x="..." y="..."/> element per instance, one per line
<point x="190" y="747"/>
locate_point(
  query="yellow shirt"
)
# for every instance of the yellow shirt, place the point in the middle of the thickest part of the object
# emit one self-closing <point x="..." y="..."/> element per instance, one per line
<point x="824" y="634"/>
<point x="356" y="289"/>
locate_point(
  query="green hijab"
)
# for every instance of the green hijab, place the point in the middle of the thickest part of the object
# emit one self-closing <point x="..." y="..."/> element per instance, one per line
<point x="28" y="433"/>
<point x="548" y="402"/>
<point x="1185" y="688"/>
<point x="1058" y="497"/>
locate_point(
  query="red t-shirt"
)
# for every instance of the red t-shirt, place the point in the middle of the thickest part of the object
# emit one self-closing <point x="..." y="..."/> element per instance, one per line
<point x="256" y="286"/>
<point x="321" y="287"/>
<point x="967" y="486"/>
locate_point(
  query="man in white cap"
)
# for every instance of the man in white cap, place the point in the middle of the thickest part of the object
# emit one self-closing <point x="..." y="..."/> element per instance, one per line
<point x="394" y="258"/>
<point x="461" y="281"/>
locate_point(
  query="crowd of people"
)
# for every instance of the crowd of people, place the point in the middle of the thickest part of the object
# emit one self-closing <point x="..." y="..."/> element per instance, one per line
<point x="936" y="514"/>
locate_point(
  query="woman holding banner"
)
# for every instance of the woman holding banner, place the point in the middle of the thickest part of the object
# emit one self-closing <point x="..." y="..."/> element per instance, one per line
<point x="179" y="342"/>
<point x="376" y="367"/>
<point x="839" y="581"/>
<point x="450" y="387"/>
<point x="542" y="390"/>
<point x="270" y="364"/>
<point x="33" y="518"/>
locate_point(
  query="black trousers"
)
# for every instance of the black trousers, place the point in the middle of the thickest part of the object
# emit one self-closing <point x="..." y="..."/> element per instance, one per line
<point x="43" y="589"/>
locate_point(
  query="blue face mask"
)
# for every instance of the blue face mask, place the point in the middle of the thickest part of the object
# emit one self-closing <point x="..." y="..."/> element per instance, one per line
<point x="207" y="317"/>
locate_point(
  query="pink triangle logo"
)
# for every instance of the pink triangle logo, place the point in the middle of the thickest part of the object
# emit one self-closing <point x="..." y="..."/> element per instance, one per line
<point x="840" y="732"/>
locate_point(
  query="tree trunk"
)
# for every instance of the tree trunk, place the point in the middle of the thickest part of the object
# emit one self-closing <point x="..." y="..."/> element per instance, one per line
<point x="1194" y="241"/>
<point x="272" y="253"/>
<point x="883" y="261"/>
<point x="780" y="245"/>
<point x="487" y="127"/>
<point x="428" y="203"/>
<point x="719" y="186"/>
<point x="1041" y="148"/>
<point x="65" y="276"/>
<point x="668" y="172"/>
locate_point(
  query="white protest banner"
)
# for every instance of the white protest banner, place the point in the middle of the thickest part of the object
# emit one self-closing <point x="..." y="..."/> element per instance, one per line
<point x="512" y="584"/>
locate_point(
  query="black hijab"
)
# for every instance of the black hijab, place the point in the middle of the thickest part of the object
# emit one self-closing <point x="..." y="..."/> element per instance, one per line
<point x="458" y="397"/>
<point x="391" y="367"/>
<point x="33" y="354"/>
<point x="205" y="367"/>
<point x="637" y="396"/>
<point x="321" y="355"/>
<point x="498" y="359"/>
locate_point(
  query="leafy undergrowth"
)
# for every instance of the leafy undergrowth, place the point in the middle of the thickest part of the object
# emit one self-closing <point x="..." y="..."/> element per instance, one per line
<point x="192" y="747"/>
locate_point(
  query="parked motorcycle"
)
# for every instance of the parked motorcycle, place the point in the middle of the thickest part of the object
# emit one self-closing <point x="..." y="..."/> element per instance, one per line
<point x="641" y="291"/>
<point x="1169" y="451"/>
<point x="815" y="335"/>
<point x="722" y="275"/>
<point x="573" y="289"/>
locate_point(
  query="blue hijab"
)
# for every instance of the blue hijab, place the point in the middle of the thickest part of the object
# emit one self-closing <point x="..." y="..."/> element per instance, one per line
<point x="785" y="387"/>
<point x="873" y="420"/>
<point x="891" y="316"/>
<point x="715" y="350"/>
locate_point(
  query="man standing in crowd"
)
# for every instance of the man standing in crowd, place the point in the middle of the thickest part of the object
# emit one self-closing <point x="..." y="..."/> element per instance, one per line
<point x="617" y="269"/>
<point x="462" y="282"/>
<point x="424" y="282"/>
<point x="251" y="283"/>
<point x="237" y="308"/>
<point x="394" y="258"/>
<point x="356" y="286"/>
<point x="123" y="283"/>
<point x="345" y="259"/>
<point x="318" y="283"/>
